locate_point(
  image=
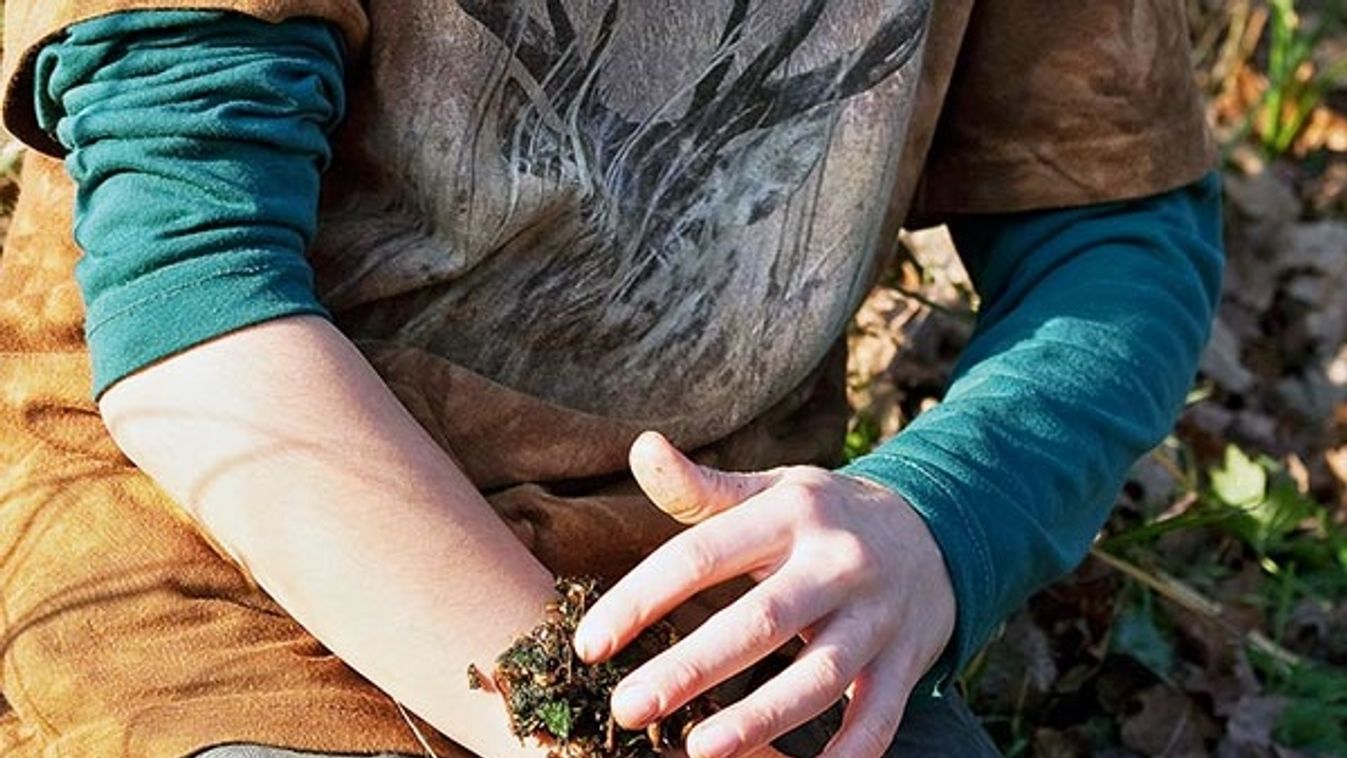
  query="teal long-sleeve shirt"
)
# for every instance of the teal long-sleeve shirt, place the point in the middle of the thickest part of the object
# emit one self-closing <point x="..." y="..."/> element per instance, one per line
<point x="1086" y="344"/>
<point x="197" y="138"/>
<point x="196" y="141"/>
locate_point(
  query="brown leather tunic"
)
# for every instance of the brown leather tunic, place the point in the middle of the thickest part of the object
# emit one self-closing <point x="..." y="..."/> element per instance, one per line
<point x="522" y="307"/>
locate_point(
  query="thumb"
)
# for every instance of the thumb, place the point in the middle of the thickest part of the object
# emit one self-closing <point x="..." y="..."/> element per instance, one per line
<point x="686" y="491"/>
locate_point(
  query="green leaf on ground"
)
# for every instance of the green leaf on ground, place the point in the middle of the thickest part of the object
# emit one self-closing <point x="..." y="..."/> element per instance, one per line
<point x="1240" y="482"/>
<point x="1315" y="718"/>
<point x="1313" y="725"/>
<point x="1279" y="514"/>
<point x="863" y="437"/>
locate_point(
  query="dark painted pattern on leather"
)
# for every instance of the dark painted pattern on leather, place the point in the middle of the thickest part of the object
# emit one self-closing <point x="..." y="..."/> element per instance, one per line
<point x="659" y="212"/>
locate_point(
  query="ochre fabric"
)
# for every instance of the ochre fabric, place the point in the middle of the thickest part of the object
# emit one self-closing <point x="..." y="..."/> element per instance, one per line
<point x="125" y="634"/>
<point x="30" y="23"/>
<point x="1064" y="104"/>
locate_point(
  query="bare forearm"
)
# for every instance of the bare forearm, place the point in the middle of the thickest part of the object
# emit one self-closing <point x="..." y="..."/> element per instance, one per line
<point x="284" y="443"/>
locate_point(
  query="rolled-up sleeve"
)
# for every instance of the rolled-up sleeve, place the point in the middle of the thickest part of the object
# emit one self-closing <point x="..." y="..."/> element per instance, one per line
<point x="31" y="24"/>
<point x="196" y="140"/>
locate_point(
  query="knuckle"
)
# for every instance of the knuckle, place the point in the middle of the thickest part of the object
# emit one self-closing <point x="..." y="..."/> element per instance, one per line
<point x="768" y="620"/>
<point x="849" y="556"/>
<point x="694" y="556"/>
<point x="762" y="723"/>
<point x="792" y="474"/>
<point x="872" y="738"/>
<point x="812" y="490"/>
<point x="684" y="507"/>
<point x="690" y="512"/>
<point x="828" y="673"/>
<point x="802" y="476"/>
<point x="806" y="500"/>
<point x="679" y="681"/>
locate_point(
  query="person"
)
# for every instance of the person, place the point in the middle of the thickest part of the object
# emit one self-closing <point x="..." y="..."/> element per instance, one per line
<point x="287" y="449"/>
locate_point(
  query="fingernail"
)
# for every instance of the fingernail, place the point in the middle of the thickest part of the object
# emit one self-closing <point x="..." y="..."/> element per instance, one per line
<point x="590" y="643"/>
<point x="633" y="705"/>
<point x="713" y="741"/>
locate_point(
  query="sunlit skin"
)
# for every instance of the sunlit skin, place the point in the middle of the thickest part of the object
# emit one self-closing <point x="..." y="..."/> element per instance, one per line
<point x="843" y="563"/>
<point x="375" y="541"/>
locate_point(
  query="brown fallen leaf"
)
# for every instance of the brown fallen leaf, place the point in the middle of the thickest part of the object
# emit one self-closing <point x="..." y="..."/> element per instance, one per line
<point x="1168" y="723"/>
<point x="1053" y="743"/>
<point x="1337" y="463"/>
<point x="1249" y="726"/>
<point x="1035" y="650"/>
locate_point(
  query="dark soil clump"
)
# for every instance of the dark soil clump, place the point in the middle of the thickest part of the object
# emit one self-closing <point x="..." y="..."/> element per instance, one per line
<point x="563" y="703"/>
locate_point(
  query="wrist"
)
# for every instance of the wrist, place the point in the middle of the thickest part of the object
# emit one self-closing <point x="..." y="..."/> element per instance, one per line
<point x="946" y="542"/>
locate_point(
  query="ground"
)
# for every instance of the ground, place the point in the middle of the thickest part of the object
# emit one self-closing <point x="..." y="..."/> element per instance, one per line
<point x="1211" y="617"/>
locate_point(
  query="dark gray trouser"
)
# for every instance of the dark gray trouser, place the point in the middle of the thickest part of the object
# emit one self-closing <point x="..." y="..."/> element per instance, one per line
<point x="931" y="728"/>
<point x="942" y="728"/>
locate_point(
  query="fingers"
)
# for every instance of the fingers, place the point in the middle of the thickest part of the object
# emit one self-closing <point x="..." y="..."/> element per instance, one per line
<point x="680" y="568"/>
<point x="732" y="640"/>
<point x="878" y="701"/>
<point x="686" y="491"/>
<point x="814" y="681"/>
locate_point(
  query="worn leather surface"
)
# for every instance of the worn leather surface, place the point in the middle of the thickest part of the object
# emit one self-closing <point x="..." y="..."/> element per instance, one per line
<point x="1054" y="105"/>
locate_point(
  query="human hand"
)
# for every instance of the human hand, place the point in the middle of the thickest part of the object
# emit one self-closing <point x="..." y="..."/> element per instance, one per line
<point x="843" y="563"/>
